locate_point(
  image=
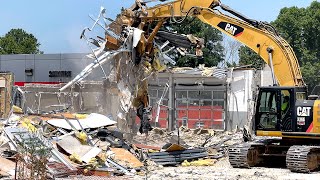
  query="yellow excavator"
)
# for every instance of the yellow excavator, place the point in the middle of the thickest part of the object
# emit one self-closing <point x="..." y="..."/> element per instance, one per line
<point x="282" y="110"/>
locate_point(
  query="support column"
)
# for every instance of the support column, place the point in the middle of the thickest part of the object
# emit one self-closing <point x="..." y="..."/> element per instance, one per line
<point x="227" y="121"/>
<point x="171" y="104"/>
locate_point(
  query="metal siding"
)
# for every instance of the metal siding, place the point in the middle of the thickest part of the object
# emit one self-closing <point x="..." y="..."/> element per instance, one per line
<point x="73" y="65"/>
<point x="13" y="57"/>
<point x="42" y="68"/>
<point x="77" y="56"/>
<point x="15" y="66"/>
<point x="47" y="56"/>
<point x="29" y="57"/>
<point x="43" y="63"/>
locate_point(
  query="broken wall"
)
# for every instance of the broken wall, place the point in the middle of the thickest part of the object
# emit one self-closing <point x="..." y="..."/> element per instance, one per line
<point x="241" y="96"/>
<point x="88" y="97"/>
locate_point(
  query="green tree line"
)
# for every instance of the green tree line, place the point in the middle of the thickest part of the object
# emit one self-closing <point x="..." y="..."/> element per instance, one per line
<point x="301" y="28"/>
<point x="18" y="41"/>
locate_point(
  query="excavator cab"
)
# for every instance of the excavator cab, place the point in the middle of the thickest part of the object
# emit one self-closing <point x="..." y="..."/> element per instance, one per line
<point x="275" y="108"/>
<point x="286" y="113"/>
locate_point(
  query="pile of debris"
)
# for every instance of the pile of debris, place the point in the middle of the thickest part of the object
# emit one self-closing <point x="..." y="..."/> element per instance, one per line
<point x="60" y="145"/>
<point x="78" y="145"/>
<point x="185" y="146"/>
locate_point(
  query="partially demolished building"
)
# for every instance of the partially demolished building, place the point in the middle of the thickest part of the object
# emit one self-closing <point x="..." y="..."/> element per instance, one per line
<point x="130" y="59"/>
<point x="212" y="98"/>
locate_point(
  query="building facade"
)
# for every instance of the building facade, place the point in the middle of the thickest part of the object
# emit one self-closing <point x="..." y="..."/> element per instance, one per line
<point x="46" y="68"/>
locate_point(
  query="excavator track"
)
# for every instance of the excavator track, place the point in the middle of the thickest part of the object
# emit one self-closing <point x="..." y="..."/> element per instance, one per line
<point x="303" y="159"/>
<point x="239" y="155"/>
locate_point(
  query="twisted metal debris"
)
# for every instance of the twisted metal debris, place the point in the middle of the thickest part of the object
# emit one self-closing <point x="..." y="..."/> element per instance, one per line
<point x="134" y="55"/>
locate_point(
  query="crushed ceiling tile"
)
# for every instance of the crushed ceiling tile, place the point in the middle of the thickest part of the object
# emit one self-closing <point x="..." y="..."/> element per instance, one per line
<point x="72" y="145"/>
<point x="206" y="71"/>
<point x="93" y="120"/>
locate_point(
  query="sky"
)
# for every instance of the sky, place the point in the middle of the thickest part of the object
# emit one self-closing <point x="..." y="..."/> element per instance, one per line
<point x="58" y="24"/>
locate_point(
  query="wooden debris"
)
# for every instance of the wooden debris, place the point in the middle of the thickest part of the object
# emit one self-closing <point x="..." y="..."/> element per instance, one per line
<point x="7" y="167"/>
<point x="124" y="156"/>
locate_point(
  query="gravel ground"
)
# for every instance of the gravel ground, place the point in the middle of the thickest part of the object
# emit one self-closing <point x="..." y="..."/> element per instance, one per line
<point x="223" y="170"/>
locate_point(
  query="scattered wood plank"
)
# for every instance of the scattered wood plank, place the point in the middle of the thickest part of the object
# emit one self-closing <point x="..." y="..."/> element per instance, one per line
<point x="124" y="156"/>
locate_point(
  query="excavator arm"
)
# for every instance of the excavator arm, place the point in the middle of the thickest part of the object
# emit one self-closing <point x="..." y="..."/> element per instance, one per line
<point x="258" y="36"/>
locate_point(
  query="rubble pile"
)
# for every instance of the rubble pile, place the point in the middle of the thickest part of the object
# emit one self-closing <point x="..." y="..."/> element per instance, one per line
<point x="49" y="146"/>
<point x="188" y="137"/>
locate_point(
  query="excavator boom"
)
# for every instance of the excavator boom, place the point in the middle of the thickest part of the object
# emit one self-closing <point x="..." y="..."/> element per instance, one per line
<point x="260" y="37"/>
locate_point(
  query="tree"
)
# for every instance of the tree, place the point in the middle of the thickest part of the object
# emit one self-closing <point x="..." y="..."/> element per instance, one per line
<point x="301" y="28"/>
<point x="18" y="41"/>
<point x="248" y="56"/>
<point x="213" y="50"/>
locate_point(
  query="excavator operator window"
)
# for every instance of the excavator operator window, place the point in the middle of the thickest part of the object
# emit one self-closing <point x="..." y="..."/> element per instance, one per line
<point x="268" y="110"/>
<point x="285" y="110"/>
<point x="285" y="100"/>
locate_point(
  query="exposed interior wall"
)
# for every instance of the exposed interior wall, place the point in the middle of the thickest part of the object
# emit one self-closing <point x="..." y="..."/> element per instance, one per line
<point x="241" y="92"/>
<point x="89" y="97"/>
